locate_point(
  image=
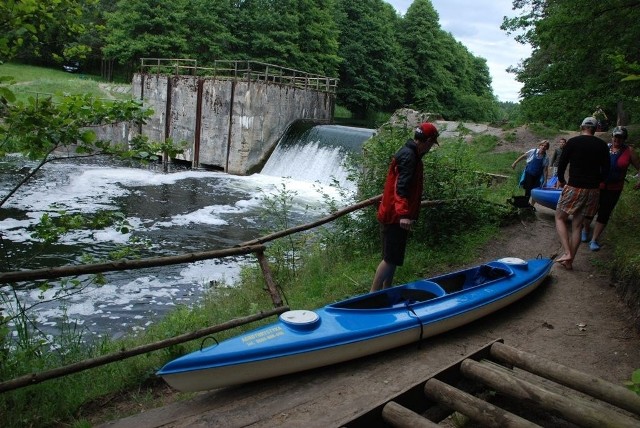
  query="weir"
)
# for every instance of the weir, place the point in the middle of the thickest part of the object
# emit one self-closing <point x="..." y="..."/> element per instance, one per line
<point x="316" y="153"/>
<point x="231" y="115"/>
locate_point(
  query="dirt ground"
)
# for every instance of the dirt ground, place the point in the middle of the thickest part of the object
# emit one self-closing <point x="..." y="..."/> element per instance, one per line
<point x="575" y="318"/>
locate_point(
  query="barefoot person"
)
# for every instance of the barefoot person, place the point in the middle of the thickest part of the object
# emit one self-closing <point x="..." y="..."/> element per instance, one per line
<point x="400" y="203"/>
<point x="588" y="159"/>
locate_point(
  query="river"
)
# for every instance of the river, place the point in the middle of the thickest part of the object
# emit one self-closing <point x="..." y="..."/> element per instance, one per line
<point x="177" y="212"/>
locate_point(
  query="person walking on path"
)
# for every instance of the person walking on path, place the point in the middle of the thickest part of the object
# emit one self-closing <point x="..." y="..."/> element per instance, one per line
<point x="535" y="171"/>
<point x="400" y="204"/>
<point x="588" y="158"/>
<point x="621" y="156"/>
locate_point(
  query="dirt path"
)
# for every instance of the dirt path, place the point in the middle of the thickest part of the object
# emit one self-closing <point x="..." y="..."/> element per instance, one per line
<point x="544" y="323"/>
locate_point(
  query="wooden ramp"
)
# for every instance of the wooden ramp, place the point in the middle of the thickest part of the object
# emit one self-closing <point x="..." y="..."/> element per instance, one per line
<point x="500" y="386"/>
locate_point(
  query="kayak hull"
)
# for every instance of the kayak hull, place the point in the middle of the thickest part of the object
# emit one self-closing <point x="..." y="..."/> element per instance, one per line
<point x="359" y="326"/>
<point x="546" y="196"/>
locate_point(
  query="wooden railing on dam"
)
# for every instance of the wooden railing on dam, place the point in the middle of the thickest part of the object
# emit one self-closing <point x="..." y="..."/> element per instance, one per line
<point x="241" y="70"/>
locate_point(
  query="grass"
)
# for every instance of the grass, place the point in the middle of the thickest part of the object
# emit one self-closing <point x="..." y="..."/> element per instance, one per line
<point x="33" y="81"/>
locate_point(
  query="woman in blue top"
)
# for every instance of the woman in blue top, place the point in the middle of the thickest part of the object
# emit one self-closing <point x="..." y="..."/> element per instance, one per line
<point x="536" y="170"/>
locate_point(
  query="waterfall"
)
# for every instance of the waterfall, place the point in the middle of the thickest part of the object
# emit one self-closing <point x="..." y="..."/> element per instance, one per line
<point x="315" y="153"/>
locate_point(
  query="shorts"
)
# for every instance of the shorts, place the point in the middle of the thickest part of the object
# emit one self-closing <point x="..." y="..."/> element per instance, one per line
<point x="394" y="243"/>
<point x="575" y="200"/>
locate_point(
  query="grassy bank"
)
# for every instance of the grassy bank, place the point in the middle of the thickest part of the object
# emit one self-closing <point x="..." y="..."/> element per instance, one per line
<point x="32" y="81"/>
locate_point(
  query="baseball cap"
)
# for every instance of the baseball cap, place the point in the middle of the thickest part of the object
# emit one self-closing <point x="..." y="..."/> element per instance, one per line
<point x="426" y="130"/>
<point x="590" y="121"/>
<point x="620" y="131"/>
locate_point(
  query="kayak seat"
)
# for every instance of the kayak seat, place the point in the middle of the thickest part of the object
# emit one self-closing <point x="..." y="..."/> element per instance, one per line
<point x="485" y="274"/>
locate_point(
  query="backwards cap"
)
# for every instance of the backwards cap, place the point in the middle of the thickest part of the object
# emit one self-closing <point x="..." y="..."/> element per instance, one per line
<point x="590" y="121"/>
<point x="426" y="130"/>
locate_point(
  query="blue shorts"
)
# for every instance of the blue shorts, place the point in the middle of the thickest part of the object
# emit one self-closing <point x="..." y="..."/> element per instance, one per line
<point x="574" y="200"/>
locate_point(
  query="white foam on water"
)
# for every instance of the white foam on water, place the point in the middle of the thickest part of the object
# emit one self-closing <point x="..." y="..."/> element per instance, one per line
<point x="89" y="188"/>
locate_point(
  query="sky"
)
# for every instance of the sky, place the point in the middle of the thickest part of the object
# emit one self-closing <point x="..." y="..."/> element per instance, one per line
<point x="476" y="24"/>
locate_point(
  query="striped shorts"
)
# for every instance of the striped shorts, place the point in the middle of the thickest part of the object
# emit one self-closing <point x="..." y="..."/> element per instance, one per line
<point x="576" y="200"/>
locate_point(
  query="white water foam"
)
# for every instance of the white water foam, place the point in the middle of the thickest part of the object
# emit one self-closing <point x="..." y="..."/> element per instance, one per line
<point x="123" y="305"/>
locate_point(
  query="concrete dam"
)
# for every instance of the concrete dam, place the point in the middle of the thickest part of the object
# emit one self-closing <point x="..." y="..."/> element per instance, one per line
<point x="233" y="115"/>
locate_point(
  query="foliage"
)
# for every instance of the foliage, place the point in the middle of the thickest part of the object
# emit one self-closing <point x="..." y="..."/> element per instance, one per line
<point x="26" y="25"/>
<point x="370" y="73"/>
<point x="584" y="54"/>
<point x="276" y="209"/>
<point x="139" y="29"/>
<point x="383" y="60"/>
<point x="634" y="383"/>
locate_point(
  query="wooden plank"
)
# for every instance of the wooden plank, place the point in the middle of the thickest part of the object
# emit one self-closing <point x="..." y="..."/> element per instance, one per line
<point x="573" y="409"/>
<point x="475" y="408"/>
<point x="617" y="395"/>
<point x="400" y="417"/>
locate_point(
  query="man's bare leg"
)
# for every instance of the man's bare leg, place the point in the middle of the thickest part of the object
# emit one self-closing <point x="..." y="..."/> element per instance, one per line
<point x="384" y="276"/>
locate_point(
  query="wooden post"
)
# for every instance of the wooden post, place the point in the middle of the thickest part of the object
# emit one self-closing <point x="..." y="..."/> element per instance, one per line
<point x="606" y="391"/>
<point x="400" y="417"/>
<point x="268" y="277"/>
<point x="575" y="409"/>
<point x="475" y="408"/>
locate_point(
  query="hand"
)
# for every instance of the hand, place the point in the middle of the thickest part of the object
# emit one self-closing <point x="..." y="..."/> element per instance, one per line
<point x="406" y="224"/>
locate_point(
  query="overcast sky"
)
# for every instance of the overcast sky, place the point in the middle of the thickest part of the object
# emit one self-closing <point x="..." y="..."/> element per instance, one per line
<point x="476" y="24"/>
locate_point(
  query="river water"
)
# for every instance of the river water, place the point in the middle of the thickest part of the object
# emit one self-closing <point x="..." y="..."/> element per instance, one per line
<point x="179" y="212"/>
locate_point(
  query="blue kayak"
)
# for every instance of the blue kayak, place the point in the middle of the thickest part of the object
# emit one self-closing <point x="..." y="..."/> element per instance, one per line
<point x="546" y="196"/>
<point x="359" y="326"/>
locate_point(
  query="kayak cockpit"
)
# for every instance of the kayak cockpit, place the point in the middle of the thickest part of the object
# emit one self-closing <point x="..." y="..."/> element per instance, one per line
<point x="471" y="278"/>
<point x="418" y="291"/>
<point x="425" y="290"/>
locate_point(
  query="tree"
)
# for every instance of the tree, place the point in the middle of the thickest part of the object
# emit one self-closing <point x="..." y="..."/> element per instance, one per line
<point x="442" y="76"/>
<point x="146" y="28"/>
<point x="24" y="24"/>
<point x="582" y="50"/>
<point x="318" y="42"/>
<point x="209" y="28"/>
<point x="370" y="75"/>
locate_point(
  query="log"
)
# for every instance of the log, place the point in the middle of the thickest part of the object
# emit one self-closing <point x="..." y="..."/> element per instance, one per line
<point x="614" y="394"/>
<point x="268" y="277"/>
<point x="478" y="410"/>
<point x="334" y="216"/>
<point x="119" y="265"/>
<point x="573" y="409"/>
<point x="34" y="378"/>
<point x="400" y="417"/>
